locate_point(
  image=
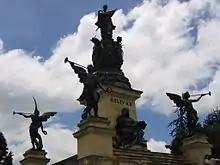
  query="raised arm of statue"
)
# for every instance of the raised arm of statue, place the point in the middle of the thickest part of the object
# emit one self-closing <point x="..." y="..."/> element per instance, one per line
<point x="24" y="114"/>
<point x="196" y="100"/>
<point x="27" y="116"/>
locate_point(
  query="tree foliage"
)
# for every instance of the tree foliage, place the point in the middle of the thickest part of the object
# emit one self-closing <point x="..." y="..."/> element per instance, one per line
<point x="210" y="128"/>
<point x="5" y="155"/>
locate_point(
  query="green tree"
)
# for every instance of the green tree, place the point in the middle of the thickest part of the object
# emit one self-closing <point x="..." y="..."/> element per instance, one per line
<point x="5" y="155"/>
<point x="212" y="130"/>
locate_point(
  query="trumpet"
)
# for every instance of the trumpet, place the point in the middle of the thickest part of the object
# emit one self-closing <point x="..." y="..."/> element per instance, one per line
<point x="207" y="93"/>
<point x="17" y="113"/>
<point x="67" y="60"/>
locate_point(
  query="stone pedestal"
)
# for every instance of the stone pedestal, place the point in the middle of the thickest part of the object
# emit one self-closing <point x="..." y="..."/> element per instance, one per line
<point x="111" y="104"/>
<point x="33" y="157"/>
<point x="94" y="137"/>
<point x="95" y="134"/>
<point x="195" y="148"/>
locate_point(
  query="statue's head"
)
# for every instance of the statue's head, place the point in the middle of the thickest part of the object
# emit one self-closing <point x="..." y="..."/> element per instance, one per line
<point x="90" y="68"/>
<point x="186" y="95"/>
<point x="105" y="7"/>
<point x="125" y="112"/>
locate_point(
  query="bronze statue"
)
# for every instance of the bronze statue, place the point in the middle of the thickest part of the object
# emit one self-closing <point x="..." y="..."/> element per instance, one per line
<point x="105" y="22"/>
<point x="185" y="107"/>
<point x="107" y="55"/>
<point x="89" y="96"/>
<point x="129" y="132"/>
<point x="97" y="55"/>
<point x="37" y="122"/>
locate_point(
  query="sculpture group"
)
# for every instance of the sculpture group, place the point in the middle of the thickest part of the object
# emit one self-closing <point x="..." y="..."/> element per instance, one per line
<point x="107" y="58"/>
<point x="105" y="72"/>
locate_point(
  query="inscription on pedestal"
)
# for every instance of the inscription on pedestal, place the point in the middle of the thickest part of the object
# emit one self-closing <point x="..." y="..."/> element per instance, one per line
<point x="120" y="101"/>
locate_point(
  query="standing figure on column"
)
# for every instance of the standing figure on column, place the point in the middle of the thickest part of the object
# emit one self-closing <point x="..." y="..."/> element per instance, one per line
<point x="105" y="22"/>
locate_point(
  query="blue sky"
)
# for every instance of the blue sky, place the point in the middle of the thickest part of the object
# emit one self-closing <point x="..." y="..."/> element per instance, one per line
<point x="37" y="25"/>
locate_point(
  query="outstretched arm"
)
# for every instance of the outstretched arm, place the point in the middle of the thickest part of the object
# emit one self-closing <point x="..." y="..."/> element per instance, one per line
<point x="196" y="100"/>
<point x="26" y="116"/>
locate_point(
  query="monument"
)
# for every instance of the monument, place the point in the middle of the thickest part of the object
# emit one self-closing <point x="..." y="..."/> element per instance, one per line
<point x="36" y="155"/>
<point x="109" y="132"/>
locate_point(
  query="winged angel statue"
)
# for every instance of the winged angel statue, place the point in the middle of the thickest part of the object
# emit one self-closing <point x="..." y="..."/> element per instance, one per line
<point x="89" y="96"/>
<point x="188" y="118"/>
<point x="37" y="122"/>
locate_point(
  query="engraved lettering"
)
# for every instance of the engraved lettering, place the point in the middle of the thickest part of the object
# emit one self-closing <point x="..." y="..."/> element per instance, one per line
<point x="120" y="101"/>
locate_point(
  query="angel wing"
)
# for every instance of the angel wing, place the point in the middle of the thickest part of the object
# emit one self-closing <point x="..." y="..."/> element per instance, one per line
<point x="46" y="115"/>
<point x="176" y="99"/>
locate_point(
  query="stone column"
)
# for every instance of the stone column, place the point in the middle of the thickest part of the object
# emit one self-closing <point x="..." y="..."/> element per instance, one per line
<point x="95" y="134"/>
<point x="94" y="137"/>
<point x="34" y="157"/>
<point x="195" y="148"/>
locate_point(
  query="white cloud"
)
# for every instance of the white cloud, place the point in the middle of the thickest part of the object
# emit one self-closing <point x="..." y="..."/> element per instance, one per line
<point x="157" y="44"/>
<point x="157" y="146"/>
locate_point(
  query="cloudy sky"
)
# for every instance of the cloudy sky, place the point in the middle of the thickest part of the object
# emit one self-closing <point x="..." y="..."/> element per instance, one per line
<point x="169" y="45"/>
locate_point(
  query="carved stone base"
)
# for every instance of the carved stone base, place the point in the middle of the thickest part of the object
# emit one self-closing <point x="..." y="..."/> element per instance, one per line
<point x="34" y="157"/>
<point x="134" y="157"/>
<point x="114" y="79"/>
<point x="195" y="148"/>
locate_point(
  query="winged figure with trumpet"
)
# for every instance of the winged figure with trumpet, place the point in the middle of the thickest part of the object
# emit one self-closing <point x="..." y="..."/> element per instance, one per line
<point x="187" y="114"/>
<point x="37" y="122"/>
<point x="89" y="96"/>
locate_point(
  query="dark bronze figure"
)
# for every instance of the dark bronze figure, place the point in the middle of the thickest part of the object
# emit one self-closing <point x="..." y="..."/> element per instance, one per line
<point x="105" y="22"/>
<point x="186" y="110"/>
<point x="37" y="122"/>
<point x="107" y="56"/>
<point x="89" y="96"/>
<point x="97" y="57"/>
<point x="107" y="53"/>
<point x="129" y="132"/>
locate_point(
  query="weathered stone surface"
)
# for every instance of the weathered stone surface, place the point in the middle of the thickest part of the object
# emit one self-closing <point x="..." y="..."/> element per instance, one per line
<point x="195" y="148"/>
<point x="94" y="137"/>
<point x="34" y="157"/>
<point x="111" y="104"/>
